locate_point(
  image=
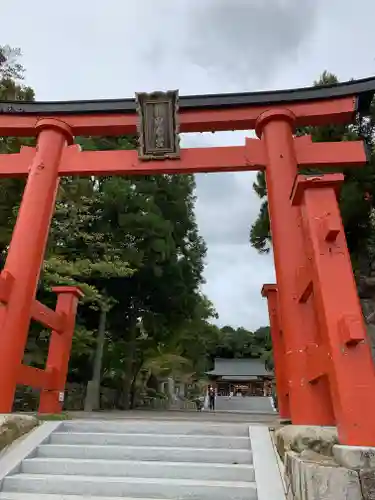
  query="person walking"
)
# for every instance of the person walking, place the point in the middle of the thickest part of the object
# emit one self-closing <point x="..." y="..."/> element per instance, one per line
<point x="211" y="396"/>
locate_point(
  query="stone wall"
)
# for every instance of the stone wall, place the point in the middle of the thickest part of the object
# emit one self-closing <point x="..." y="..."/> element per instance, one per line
<point x="13" y="427"/>
<point x="27" y="399"/>
<point x="316" y="467"/>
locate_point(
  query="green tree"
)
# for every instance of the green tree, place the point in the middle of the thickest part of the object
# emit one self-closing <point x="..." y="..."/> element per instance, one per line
<point x="11" y="88"/>
<point x="242" y="343"/>
<point x="148" y="223"/>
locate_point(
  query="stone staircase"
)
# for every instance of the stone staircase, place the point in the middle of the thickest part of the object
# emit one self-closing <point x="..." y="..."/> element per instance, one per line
<point x="144" y="459"/>
<point x="249" y="404"/>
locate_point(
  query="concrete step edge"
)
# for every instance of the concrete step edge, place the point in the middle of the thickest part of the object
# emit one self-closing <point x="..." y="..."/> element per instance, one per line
<point x="21" y="478"/>
<point x="151" y="435"/>
<point x="185" y="427"/>
<point x="151" y="422"/>
<point x="153" y="463"/>
<point x="52" y="496"/>
<point x="131" y="447"/>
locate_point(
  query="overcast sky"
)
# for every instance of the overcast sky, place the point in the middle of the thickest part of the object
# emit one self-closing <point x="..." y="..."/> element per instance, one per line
<point x="87" y="49"/>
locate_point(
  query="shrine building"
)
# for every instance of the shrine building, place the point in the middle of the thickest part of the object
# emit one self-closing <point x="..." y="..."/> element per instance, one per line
<point x="243" y="377"/>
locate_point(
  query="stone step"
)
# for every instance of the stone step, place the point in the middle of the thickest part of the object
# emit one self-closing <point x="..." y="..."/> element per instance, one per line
<point x="183" y="489"/>
<point x="145" y="453"/>
<point x="179" y="440"/>
<point x="47" y="496"/>
<point x="251" y="404"/>
<point x="173" y="470"/>
<point x="155" y="427"/>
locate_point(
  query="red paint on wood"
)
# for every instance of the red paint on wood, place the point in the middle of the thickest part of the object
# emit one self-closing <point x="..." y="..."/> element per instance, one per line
<point x="35" y="377"/>
<point x="302" y="182"/>
<point x="73" y="290"/>
<point x="281" y="375"/>
<point x="252" y="156"/>
<point x="339" y="110"/>
<point x="47" y="317"/>
<point x="25" y="257"/>
<point x="316" y="362"/>
<point x="304" y="284"/>
<point x="350" y="370"/>
<point x="351" y="330"/>
<point x="307" y="402"/>
<point x="6" y="284"/>
<point x="59" y="349"/>
<point x="327" y="154"/>
<point x="195" y="160"/>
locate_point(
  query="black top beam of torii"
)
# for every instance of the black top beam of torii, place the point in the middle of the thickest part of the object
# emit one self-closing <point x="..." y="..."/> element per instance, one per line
<point x="363" y="89"/>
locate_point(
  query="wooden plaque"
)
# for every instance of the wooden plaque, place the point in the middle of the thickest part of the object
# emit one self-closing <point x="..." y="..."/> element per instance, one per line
<point x="158" y="126"/>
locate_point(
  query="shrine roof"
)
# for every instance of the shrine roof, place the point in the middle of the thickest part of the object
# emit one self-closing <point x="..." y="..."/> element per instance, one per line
<point x="244" y="367"/>
<point x="363" y="90"/>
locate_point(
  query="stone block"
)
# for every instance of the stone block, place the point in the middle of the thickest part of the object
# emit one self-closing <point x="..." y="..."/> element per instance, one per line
<point x="13" y="426"/>
<point x="313" y="456"/>
<point x="355" y="457"/>
<point x="314" y="481"/>
<point x="302" y="437"/>
<point x="367" y="479"/>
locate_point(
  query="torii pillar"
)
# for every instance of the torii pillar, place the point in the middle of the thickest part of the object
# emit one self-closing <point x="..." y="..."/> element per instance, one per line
<point x="309" y="404"/>
<point x="270" y="292"/>
<point x="331" y="377"/>
<point x="342" y="353"/>
<point x="26" y="252"/>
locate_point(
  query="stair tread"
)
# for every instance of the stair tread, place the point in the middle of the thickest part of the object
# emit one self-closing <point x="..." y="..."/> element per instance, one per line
<point x="134" y="461"/>
<point x="131" y="480"/>
<point x="139" y="462"/>
<point x="156" y="426"/>
<point x="149" y="434"/>
<point x="145" y="447"/>
<point x="126" y="422"/>
<point x="53" y="496"/>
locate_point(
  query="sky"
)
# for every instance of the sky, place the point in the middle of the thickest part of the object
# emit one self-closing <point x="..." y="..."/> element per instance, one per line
<point x="91" y="49"/>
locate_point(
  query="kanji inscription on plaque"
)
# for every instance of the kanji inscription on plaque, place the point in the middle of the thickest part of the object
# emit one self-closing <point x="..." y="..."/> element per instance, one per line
<point x="158" y="125"/>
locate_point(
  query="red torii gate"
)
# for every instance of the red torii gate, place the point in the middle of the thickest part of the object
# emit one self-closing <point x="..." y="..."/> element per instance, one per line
<point x="324" y="369"/>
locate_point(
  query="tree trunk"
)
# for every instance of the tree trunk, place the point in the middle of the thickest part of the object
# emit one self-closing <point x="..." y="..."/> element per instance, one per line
<point x="133" y="388"/>
<point x="128" y="365"/>
<point x="132" y="393"/>
<point x="92" y="401"/>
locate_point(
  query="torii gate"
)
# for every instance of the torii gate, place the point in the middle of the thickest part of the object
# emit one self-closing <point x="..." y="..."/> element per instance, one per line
<point x="324" y="369"/>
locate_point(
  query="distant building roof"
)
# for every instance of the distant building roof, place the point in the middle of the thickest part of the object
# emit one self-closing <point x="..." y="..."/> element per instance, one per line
<point x="239" y="368"/>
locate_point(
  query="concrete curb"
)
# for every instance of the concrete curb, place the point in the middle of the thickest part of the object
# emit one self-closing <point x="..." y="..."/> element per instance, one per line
<point x="10" y="461"/>
<point x="280" y="463"/>
<point x="267" y="473"/>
